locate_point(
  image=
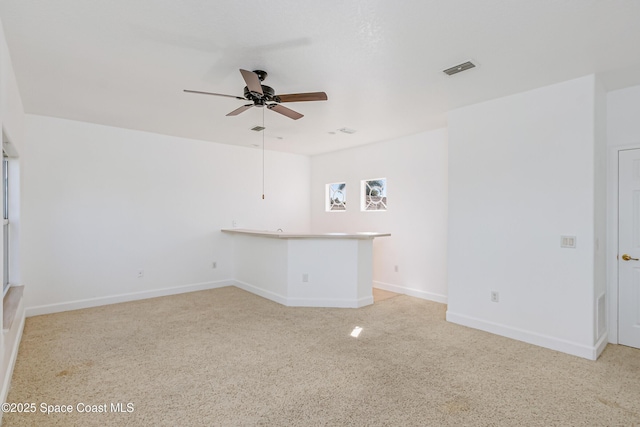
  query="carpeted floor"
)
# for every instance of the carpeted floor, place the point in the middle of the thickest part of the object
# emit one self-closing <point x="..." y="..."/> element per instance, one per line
<point x="226" y="357"/>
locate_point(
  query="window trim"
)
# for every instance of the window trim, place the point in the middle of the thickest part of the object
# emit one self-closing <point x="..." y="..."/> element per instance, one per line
<point x="363" y="195"/>
<point x="6" y="284"/>
<point x="327" y="197"/>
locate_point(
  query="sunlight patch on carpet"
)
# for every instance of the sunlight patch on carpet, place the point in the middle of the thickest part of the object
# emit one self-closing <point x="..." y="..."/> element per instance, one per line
<point x="356" y="331"/>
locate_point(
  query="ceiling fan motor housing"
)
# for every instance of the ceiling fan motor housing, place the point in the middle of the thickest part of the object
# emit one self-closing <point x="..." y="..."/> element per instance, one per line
<point x="267" y="91"/>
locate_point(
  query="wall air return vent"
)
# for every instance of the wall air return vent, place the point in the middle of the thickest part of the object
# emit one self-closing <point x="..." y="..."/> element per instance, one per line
<point x="459" y="68"/>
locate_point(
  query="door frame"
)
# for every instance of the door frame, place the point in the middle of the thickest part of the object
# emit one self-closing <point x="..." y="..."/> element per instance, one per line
<point x="612" y="237"/>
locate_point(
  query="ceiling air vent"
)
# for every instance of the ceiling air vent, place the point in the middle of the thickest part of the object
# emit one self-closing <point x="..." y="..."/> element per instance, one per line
<point x="258" y="128"/>
<point x="459" y="68"/>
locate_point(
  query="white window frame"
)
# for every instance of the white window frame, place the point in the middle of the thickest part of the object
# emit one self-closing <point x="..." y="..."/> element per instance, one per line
<point x="363" y="195"/>
<point x="6" y="285"/>
<point x="328" y="197"/>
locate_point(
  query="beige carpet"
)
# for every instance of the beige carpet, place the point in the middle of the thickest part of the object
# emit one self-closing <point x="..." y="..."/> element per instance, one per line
<point x="229" y="358"/>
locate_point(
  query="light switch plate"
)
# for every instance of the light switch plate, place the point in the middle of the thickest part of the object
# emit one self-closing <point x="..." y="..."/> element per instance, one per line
<point x="568" y="242"/>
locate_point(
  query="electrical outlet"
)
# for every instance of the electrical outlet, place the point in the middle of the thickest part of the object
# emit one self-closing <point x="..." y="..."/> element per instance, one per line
<point x="214" y="264"/>
<point x="305" y="278"/>
<point x="234" y="223"/>
<point x="495" y="296"/>
<point x="396" y="269"/>
<point x="140" y="273"/>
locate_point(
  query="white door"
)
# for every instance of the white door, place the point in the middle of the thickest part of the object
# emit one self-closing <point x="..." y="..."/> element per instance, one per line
<point x="629" y="248"/>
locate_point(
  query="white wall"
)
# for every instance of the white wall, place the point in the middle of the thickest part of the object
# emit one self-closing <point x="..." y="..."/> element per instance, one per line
<point x="623" y="126"/>
<point x="11" y="109"/>
<point x="100" y="203"/>
<point x="416" y="172"/>
<point x="521" y="174"/>
<point x="12" y="124"/>
<point x="12" y="121"/>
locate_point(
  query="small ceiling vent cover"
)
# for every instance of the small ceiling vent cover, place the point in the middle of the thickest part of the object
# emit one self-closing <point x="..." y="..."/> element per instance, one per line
<point x="459" y="68"/>
<point x="258" y="128"/>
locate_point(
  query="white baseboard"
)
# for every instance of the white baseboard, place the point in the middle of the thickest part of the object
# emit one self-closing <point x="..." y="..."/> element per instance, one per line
<point x="329" y="303"/>
<point x="363" y="302"/>
<point x="280" y="299"/>
<point x="601" y="344"/>
<point x="6" y="384"/>
<point x="534" y="338"/>
<point x="411" y="292"/>
<point x="114" y="299"/>
<point x="304" y="302"/>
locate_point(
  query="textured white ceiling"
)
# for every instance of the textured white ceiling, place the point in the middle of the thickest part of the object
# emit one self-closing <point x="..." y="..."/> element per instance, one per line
<point x="125" y="62"/>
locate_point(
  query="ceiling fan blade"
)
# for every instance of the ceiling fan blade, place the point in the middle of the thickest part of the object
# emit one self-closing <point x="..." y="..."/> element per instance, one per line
<point x="240" y="110"/>
<point x="285" y="111"/>
<point x="216" y="94"/>
<point x="299" y="97"/>
<point x="252" y="80"/>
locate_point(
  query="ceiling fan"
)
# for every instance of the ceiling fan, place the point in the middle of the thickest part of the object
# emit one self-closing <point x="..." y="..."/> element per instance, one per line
<point x="264" y="96"/>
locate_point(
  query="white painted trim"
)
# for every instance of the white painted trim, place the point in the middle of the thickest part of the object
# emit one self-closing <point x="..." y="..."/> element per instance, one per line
<point x="411" y="292"/>
<point x="601" y="344"/>
<point x="612" y="239"/>
<point x="540" y="340"/>
<point x="280" y="299"/>
<point x="612" y="244"/>
<point x="304" y="302"/>
<point x="115" y="299"/>
<point x="6" y="384"/>
<point x="329" y="303"/>
<point x="363" y="302"/>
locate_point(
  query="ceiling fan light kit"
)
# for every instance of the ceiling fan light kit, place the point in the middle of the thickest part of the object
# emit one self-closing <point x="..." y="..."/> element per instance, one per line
<point x="265" y="96"/>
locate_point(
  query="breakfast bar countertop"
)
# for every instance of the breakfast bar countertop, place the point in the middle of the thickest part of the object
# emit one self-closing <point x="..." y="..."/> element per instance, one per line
<point x="282" y="235"/>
